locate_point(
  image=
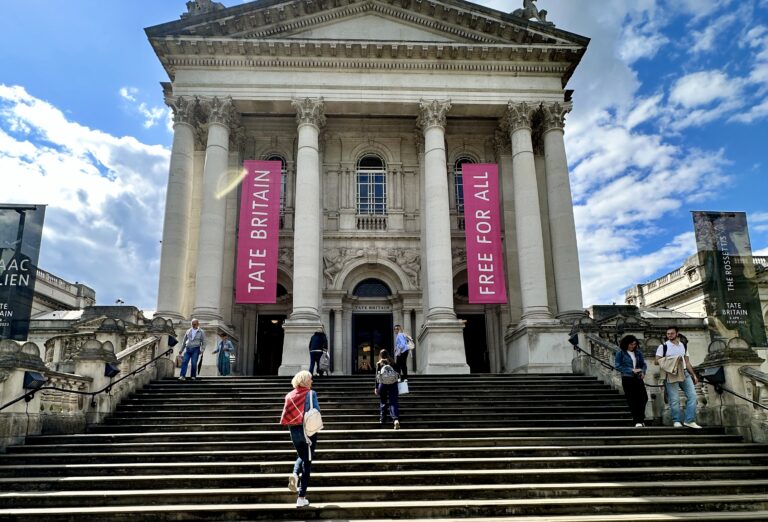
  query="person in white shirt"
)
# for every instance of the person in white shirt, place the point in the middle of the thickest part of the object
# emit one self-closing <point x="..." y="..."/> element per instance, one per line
<point x="673" y="347"/>
<point x="192" y="346"/>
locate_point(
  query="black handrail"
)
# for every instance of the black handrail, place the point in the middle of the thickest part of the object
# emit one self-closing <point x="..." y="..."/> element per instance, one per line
<point x="609" y="365"/>
<point x="29" y="395"/>
<point x="718" y="387"/>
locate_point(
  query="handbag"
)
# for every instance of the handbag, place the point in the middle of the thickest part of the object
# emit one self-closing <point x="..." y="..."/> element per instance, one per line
<point x="402" y="388"/>
<point x="409" y="343"/>
<point x="178" y="360"/>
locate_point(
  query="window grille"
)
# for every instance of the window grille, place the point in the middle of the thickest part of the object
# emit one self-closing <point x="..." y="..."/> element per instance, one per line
<point x="371" y="186"/>
<point x="371" y="288"/>
<point x="283" y="176"/>
<point x="458" y="182"/>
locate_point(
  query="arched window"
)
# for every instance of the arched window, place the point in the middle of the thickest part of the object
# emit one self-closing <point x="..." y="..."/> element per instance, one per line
<point x="283" y="177"/>
<point x="371" y="288"/>
<point x="458" y="182"/>
<point x="371" y="185"/>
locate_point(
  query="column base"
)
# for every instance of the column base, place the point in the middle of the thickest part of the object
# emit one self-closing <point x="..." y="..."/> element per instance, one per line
<point x="569" y="316"/>
<point x="209" y="315"/>
<point x="176" y="317"/>
<point x="297" y="332"/>
<point x="441" y="347"/>
<point x="538" y="347"/>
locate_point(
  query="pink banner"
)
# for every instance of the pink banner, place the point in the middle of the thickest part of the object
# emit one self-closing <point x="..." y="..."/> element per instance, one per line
<point x="485" y="259"/>
<point x="258" y="234"/>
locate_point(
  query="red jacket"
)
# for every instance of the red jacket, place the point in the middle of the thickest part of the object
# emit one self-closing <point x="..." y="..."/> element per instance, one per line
<point x="293" y="409"/>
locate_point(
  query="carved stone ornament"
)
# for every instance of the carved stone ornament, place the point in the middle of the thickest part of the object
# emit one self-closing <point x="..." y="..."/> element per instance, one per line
<point x="184" y="110"/>
<point x="530" y="11"/>
<point x="409" y="260"/>
<point x="519" y="115"/>
<point x="222" y="111"/>
<point x="433" y="113"/>
<point x="335" y="259"/>
<point x="198" y="7"/>
<point x="459" y="256"/>
<point x="554" y="116"/>
<point x="285" y="257"/>
<point x="310" y="111"/>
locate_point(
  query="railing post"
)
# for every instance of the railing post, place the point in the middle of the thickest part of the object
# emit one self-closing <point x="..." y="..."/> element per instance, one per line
<point x="728" y="410"/>
<point x="91" y="362"/>
<point x="22" y="418"/>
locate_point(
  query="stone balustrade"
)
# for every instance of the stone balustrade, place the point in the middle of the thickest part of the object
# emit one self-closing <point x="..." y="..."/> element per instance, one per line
<point x="71" y="400"/>
<point x="715" y="407"/>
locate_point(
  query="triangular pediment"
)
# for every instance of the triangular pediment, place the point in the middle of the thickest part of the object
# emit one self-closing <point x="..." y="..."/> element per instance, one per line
<point x="370" y="20"/>
<point x="373" y="27"/>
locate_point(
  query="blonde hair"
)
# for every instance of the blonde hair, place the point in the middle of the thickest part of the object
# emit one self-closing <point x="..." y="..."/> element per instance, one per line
<point x="302" y="379"/>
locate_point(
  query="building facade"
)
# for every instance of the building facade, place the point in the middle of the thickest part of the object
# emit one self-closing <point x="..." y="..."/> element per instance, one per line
<point x="372" y="107"/>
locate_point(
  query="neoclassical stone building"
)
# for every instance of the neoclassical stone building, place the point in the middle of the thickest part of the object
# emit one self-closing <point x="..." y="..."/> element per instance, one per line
<point x="373" y="107"/>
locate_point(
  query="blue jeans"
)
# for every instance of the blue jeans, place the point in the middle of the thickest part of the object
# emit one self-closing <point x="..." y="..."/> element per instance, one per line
<point x="673" y="394"/>
<point x="303" y="465"/>
<point x="388" y="395"/>
<point x="190" y="354"/>
<point x="314" y="359"/>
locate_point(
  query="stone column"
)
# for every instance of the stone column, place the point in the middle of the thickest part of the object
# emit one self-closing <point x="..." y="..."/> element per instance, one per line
<point x="305" y="318"/>
<point x="530" y="240"/>
<point x="441" y="340"/>
<point x="565" y="255"/>
<point x="210" y="250"/>
<point x="23" y="418"/>
<point x="178" y="200"/>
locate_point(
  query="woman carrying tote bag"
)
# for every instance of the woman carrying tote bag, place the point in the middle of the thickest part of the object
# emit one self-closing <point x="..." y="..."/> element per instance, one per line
<point x="302" y="399"/>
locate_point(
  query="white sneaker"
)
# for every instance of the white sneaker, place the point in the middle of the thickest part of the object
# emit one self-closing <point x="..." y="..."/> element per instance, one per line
<point x="302" y="502"/>
<point x="677" y="425"/>
<point x="293" y="482"/>
<point x="397" y="425"/>
<point x="692" y="425"/>
<point x="639" y="425"/>
<point x="182" y="378"/>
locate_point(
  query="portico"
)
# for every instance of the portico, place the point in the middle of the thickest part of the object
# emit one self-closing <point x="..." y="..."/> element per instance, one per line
<point x="372" y="107"/>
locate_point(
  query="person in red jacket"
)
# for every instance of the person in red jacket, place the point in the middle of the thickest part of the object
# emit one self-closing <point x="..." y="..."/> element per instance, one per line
<point x="301" y="399"/>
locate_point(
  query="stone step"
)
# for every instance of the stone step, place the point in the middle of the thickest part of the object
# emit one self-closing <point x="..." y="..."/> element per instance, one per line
<point x="424" y="416"/>
<point x="391" y="464"/>
<point x="400" y="478"/>
<point x="586" y="433"/>
<point x="279" y="441"/>
<point x="238" y="495"/>
<point x="363" y="423"/>
<point x="399" y="509"/>
<point x="439" y="451"/>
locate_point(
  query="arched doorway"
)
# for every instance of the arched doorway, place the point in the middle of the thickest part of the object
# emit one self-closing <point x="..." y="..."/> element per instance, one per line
<point x="372" y="325"/>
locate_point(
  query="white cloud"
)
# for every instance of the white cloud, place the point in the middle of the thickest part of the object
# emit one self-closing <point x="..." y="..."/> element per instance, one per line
<point x="702" y="88"/>
<point x="640" y="40"/>
<point x="151" y="115"/>
<point x="104" y="196"/>
<point x="706" y="39"/>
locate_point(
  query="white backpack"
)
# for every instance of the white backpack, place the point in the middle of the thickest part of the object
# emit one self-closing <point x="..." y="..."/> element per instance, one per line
<point x="325" y="362"/>
<point x="313" y="421"/>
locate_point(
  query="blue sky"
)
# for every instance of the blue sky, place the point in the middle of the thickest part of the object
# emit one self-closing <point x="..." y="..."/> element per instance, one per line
<point x="671" y="115"/>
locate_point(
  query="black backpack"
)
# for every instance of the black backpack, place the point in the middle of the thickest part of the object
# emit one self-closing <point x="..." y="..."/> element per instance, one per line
<point x="682" y="340"/>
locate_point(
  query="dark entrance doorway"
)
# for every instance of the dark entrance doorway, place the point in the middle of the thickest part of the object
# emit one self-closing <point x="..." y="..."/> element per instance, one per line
<point x="475" y="343"/>
<point x="370" y="333"/>
<point x="269" y="344"/>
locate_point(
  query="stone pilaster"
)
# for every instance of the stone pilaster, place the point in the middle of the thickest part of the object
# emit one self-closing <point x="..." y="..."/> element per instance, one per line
<point x="178" y="201"/>
<point x="441" y="340"/>
<point x="210" y="249"/>
<point x="22" y="418"/>
<point x="561" y="222"/>
<point x="307" y="239"/>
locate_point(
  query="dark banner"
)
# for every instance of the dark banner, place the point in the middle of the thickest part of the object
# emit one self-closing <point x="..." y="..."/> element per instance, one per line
<point x="21" y="228"/>
<point x="731" y="293"/>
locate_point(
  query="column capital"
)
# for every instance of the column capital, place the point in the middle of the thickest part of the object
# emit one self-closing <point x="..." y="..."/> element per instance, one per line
<point x="519" y="115"/>
<point x="309" y="111"/>
<point x="433" y="113"/>
<point x="184" y="109"/>
<point x="554" y="116"/>
<point x="222" y="111"/>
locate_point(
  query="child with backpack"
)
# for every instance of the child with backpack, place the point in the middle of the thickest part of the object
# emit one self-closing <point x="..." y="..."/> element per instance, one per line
<point x="386" y="389"/>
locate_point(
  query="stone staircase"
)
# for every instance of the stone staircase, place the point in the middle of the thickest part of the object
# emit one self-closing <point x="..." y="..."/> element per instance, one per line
<point x="481" y="447"/>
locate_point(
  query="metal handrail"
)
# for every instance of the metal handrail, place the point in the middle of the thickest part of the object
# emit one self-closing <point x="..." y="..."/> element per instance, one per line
<point x="29" y="395"/>
<point x="606" y="364"/>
